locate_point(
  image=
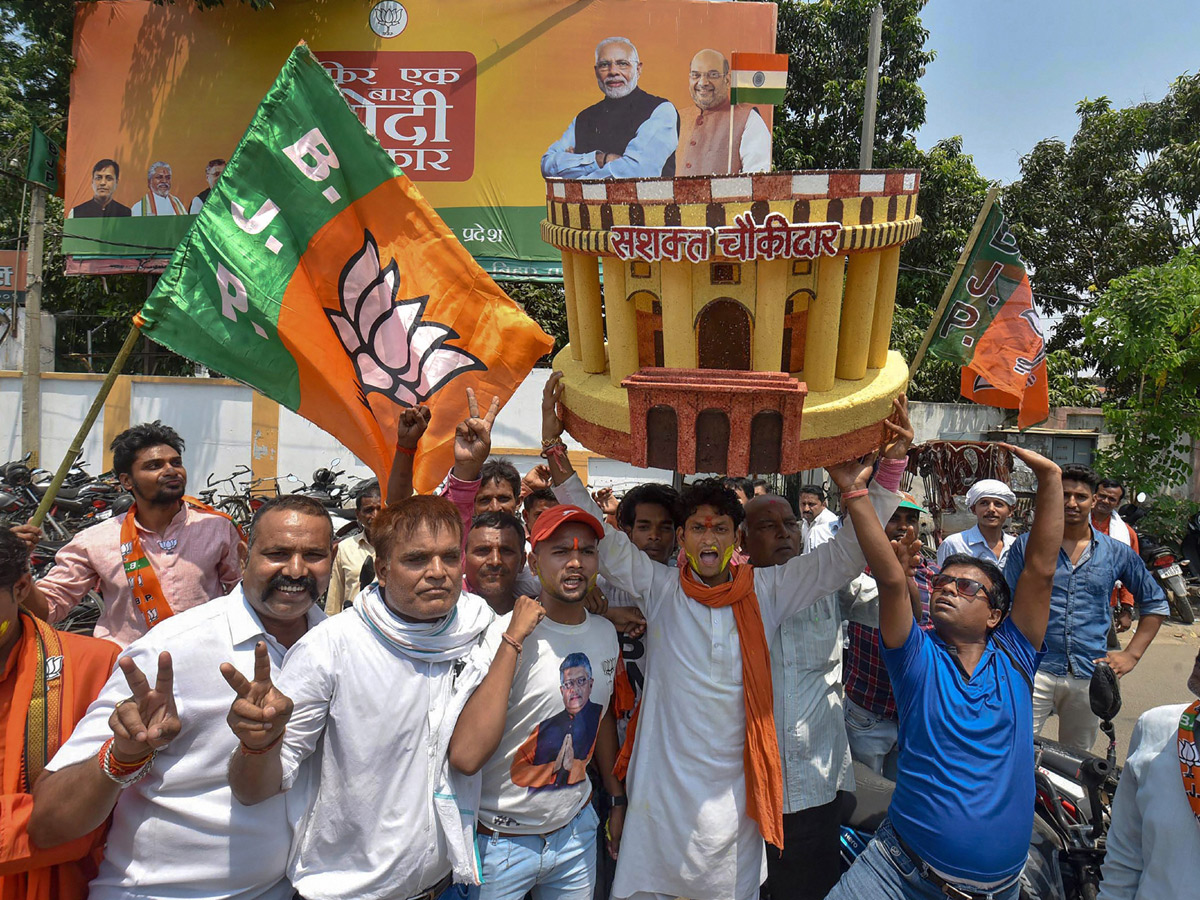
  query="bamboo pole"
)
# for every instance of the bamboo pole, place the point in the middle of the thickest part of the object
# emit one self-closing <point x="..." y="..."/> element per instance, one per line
<point x="954" y="276"/>
<point x="31" y="378"/>
<point x="86" y="426"/>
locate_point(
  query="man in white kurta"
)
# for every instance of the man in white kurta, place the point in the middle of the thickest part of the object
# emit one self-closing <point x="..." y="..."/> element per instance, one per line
<point x="687" y="831"/>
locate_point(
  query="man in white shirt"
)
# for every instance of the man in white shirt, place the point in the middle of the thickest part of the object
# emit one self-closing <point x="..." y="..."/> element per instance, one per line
<point x="813" y="513"/>
<point x="992" y="502"/>
<point x="806" y="667"/>
<point x="377" y="691"/>
<point x="540" y="721"/>
<point x="158" y="199"/>
<point x="1154" y="840"/>
<point x="176" y="829"/>
<point x="705" y="749"/>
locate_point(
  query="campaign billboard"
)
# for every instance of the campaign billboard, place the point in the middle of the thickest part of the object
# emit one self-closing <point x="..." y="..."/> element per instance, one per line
<point x="477" y="102"/>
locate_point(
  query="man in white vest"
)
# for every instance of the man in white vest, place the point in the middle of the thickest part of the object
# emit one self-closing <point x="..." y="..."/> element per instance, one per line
<point x="708" y="148"/>
<point x="158" y="200"/>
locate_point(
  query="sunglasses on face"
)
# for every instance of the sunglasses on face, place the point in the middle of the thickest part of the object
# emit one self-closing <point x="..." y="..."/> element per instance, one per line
<point x="966" y="587"/>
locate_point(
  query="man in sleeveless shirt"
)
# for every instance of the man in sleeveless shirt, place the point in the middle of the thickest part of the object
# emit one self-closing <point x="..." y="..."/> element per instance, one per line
<point x="709" y="149"/>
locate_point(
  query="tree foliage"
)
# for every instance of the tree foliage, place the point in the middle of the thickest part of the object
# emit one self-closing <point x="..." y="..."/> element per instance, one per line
<point x="1145" y="330"/>
<point x="1124" y="193"/>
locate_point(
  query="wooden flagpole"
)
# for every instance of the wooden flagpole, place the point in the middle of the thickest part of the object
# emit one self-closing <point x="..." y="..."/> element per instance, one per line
<point x="86" y="426"/>
<point x="954" y="276"/>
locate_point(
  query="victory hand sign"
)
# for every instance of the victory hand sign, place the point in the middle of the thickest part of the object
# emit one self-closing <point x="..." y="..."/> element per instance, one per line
<point x="147" y="721"/>
<point x="260" y="712"/>
<point x="473" y="438"/>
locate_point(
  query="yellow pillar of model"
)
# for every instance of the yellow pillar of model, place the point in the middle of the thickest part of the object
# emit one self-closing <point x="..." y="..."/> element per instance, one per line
<point x="769" y="302"/>
<point x="885" y="307"/>
<point x="679" y="337"/>
<point x="858" y="313"/>
<point x="568" y="259"/>
<point x="824" y="314"/>
<point x="588" y="313"/>
<point x="621" y="322"/>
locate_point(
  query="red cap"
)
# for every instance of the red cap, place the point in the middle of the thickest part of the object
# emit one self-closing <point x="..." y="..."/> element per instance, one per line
<point x="556" y="516"/>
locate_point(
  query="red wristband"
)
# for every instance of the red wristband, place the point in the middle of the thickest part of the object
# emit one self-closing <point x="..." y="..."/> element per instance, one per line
<point x="407" y="451"/>
<point x="854" y="495"/>
<point x="888" y="472"/>
<point x="251" y="751"/>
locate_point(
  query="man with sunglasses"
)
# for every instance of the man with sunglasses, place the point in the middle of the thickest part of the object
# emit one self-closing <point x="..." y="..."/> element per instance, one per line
<point x="959" y="822"/>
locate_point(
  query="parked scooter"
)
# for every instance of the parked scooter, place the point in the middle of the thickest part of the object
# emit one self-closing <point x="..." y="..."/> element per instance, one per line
<point x="1071" y="813"/>
<point x="1164" y="563"/>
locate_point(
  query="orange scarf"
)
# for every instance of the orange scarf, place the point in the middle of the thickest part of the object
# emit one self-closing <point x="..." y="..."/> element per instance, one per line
<point x="764" y="777"/>
<point x="148" y="595"/>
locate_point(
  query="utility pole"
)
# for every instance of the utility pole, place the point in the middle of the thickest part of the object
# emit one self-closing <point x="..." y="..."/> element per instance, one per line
<point x="31" y="380"/>
<point x="866" y="150"/>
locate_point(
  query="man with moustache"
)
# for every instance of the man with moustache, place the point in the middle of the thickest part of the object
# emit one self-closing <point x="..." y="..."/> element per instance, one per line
<point x="494" y="556"/>
<point x="533" y="727"/>
<point x="378" y="690"/>
<point x="354" y="553"/>
<point x="628" y="134"/>
<point x="154" y="755"/>
<point x="813" y="513"/>
<point x="105" y="175"/>
<point x="158" y="200"/>
<point x="806" y="665"/>
<point x="708" y="149"/>
<point x="168" y="553"/>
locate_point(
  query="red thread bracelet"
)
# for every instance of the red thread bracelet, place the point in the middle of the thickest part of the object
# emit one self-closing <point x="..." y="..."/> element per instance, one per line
<point x="852" y="495"/>
<point x="251" y="751"/>
<point x="407" y="451"/>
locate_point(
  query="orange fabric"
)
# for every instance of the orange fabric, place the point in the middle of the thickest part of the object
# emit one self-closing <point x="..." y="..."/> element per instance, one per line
<point x="431" y="264"/>
<point x="768" y="62"/>
<point x="148" y="595"/>
<point x="1121" y="595"/>
<point x="526" y="773"/>
<point x="764" y="778"/>
<point x="62" y="872"/>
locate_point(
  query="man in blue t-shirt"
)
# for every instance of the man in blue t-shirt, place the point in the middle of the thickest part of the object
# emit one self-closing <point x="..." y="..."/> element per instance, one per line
<point x="962" y="812"/>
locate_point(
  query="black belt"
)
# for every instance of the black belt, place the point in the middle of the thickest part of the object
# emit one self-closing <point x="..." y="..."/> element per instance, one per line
<point x="953" y="891"/>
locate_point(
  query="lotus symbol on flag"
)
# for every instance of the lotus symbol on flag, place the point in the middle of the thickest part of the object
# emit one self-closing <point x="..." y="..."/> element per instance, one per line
<point x="395" y="352"/>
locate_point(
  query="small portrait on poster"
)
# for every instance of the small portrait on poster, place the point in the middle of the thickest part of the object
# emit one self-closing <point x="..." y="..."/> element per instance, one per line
<point x="710" y="148"/>
<point x="106" y="174"/>
<point x="628" y="134"/>
<point x="556" y="755"/>
<point x="158" y="199"/>
<point x="212" y="172"/>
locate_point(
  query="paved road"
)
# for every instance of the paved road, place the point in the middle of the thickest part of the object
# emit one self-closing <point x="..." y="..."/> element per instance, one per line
<point x="1159" y="679"/>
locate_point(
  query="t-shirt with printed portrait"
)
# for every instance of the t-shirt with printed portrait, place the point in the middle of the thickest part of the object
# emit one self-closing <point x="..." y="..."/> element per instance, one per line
<point x="536" y="781"/>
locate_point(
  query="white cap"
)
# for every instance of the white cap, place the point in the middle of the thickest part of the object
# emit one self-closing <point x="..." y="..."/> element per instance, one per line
<point x="990" y="487"/>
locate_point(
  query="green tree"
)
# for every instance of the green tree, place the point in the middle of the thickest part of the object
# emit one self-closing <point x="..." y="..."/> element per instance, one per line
<point x="1145" y="331"/>
<point x="1125" y="193"/>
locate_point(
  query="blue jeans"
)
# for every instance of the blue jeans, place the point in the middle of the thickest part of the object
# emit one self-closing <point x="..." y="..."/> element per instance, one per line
<point x="560" y="865"/>
<point x="886" y="872"/>
<point x="872" y="739"/>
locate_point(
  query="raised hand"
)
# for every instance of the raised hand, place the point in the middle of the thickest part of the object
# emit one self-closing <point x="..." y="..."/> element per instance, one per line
<point x="898" y="430"/>
<point x="1037" y="463"/>
<point x="411" y="425"/>
<point x="607" y="501"/>
<point x="853" y="473"/>
<point x="148" y="720"/>
<point x="30" y="534"/>
<point x="526" y="614"/>
<point x="552" y="426"/>
<point x="536" y="478"/>
<point x="259" y="712"/>
<point x="473" y="438"/>
<point x="908" y="552"/>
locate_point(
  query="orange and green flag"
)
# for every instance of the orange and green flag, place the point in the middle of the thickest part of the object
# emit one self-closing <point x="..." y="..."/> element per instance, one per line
<point x="991" y="327"/>
<point x="317" y="274"/>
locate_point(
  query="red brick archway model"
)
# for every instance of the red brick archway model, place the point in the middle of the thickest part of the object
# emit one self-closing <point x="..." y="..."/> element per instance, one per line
<point x="723" y="336"/>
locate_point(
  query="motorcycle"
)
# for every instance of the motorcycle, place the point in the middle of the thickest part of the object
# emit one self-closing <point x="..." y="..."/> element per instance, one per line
<point x="1072" y="811"/>
<point x="1164" y="563"/>
<point x="332" y="495"/>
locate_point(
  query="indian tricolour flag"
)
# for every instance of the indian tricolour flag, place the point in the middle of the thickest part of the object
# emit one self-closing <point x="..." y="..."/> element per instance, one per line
<point x="758" y="78"/>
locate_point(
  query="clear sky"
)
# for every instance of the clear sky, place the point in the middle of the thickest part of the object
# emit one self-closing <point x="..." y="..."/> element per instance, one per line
<point x="1009" y="73"/>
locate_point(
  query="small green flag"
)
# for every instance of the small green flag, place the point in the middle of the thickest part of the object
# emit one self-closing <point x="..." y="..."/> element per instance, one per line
<point x="45" y="162"/>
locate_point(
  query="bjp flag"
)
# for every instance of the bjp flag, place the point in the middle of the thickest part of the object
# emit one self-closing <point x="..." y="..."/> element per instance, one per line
<point x="317" y="274"/>
<point x="991" y="327"/>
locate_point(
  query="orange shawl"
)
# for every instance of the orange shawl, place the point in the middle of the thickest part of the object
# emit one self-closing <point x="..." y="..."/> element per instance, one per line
<point x="764" y="778"/>
<point x="80" y="666"/>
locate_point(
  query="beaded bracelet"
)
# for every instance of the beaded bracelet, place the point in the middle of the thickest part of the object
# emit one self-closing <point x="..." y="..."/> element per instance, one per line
<point x="122" y="773"/>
